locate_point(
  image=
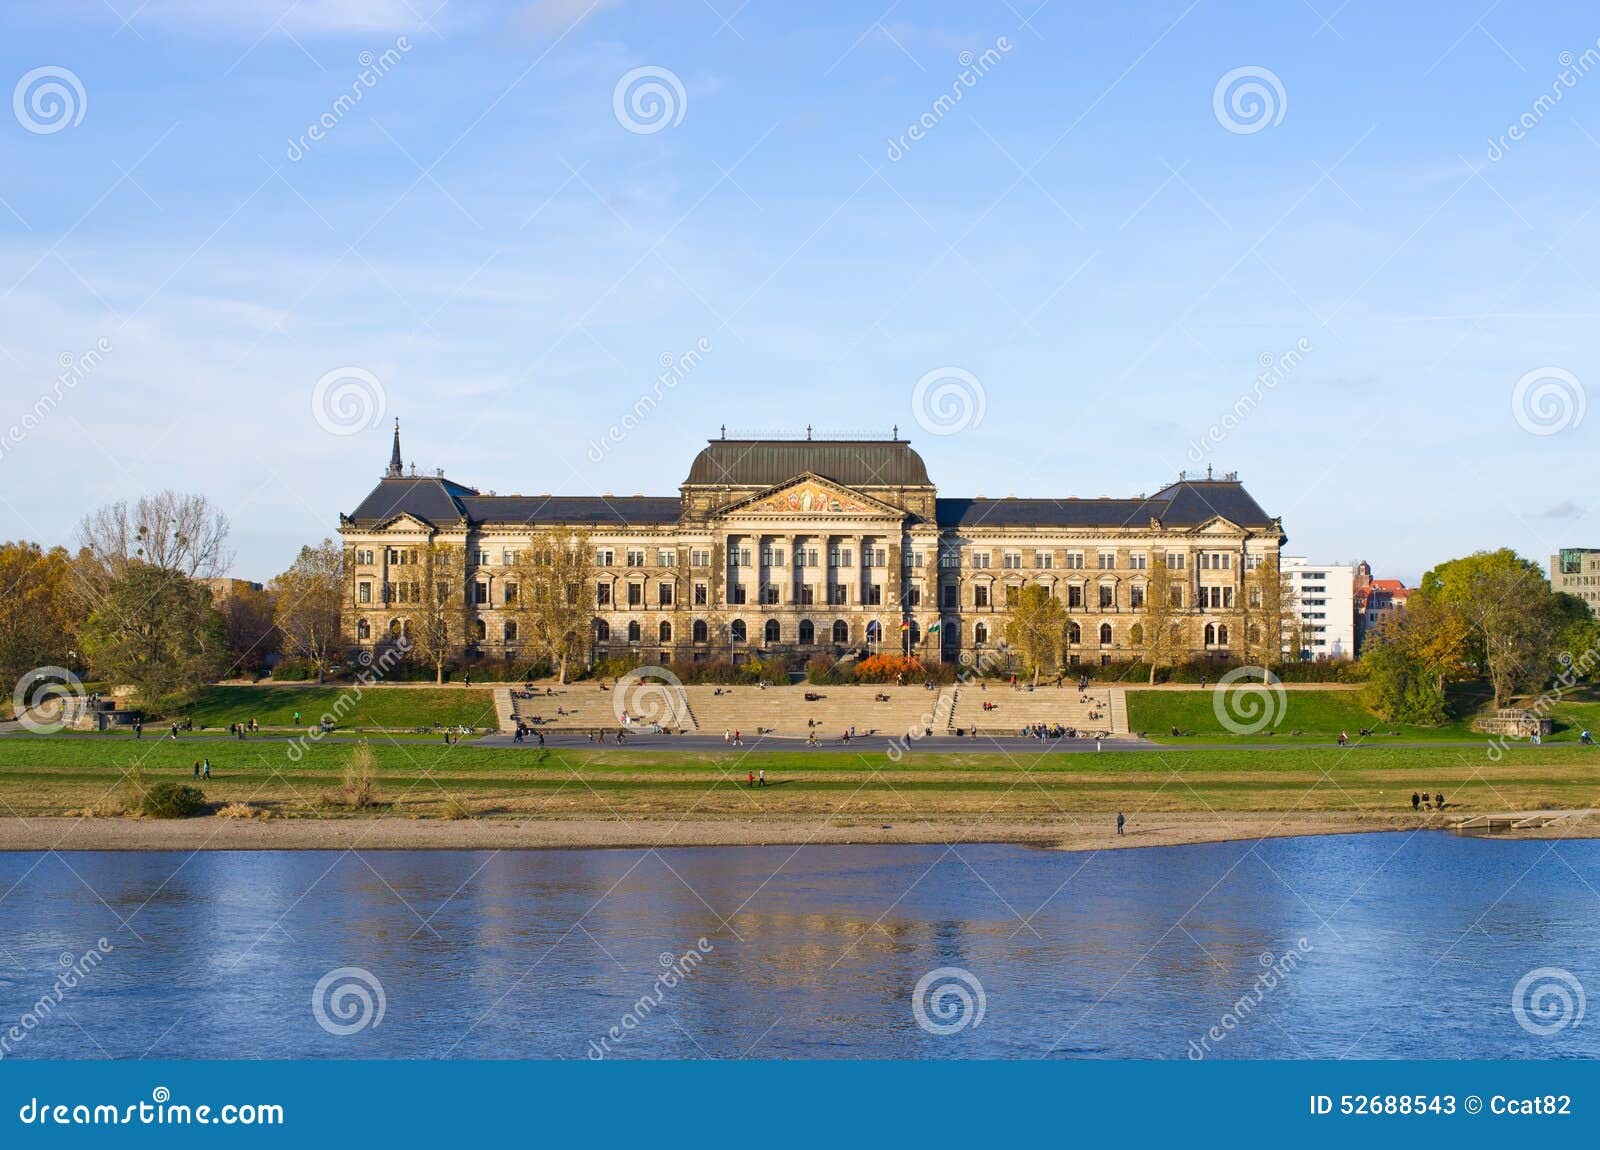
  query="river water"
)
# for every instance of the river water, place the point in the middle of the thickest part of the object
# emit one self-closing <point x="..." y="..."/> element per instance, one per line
<point x="1384" y="945"/>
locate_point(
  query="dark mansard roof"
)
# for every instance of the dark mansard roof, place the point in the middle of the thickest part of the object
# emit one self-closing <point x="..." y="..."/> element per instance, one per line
<point x="769" y="462"/>
<point x="1185" y="504"/>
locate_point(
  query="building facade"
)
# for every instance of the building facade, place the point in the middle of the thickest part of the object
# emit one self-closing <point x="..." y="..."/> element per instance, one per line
<point x="1576" y="570"/>
<point x="1376" y="601"/>
<point x="800" y="547"/>
<point x="1324" y="606"/>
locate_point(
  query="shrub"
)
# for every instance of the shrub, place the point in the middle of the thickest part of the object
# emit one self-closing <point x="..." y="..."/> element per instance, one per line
<point x="171" y="801"/>
<point x="361" y="777"/>
<point x="293" y="671"/>
<point x="242" y="811"/>
<point x="453" y="809"/>
<point x="890" y="668"/>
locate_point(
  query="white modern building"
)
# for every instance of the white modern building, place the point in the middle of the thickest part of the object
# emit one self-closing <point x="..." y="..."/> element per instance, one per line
<point x="1325" y="600"/>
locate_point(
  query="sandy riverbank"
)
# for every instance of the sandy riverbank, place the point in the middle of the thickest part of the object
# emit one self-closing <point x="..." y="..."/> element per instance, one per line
<point x="1087" y="832"/>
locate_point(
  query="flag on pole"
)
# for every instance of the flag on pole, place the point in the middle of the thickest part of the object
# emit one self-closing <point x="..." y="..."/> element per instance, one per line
<point x="933" y="628"/>
<point x="905" y="624"/>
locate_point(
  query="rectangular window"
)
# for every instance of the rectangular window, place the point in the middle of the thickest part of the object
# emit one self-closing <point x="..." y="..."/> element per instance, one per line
<point x="363" y="592"/>
<point x="875" y="595"/>
<point x="736" y="594"/>
<point x="701" y="595"/>
<point x="738" y="557"/>
<point x="913" y="596"/>
<point x="635" y="558"/>
<point x="874" y="557"/>
<point x="840" y="557"/>
<point x="636" y="594"/>
<point x="772" y="556"/>
<point x="1177" y="597"/>
<point x="769" y="595"/>
<point x="1044" y="560"/>
<point x="511" y="594"/>
<point x="1136" y="596"/>
<point x="1108" y="596"/>
<point x="1177" y="560"/>
<point x="1138" y="560"/>
<point x="483" y="558"/>
<point x="480" y="593"/>
<point x="806" y="556"/>
<point x="666" y="558"/>
<point x="949" y="592"/>
<point x="950" y="556"/>
<point x="917" y="558"/>
<point x="664" y="594"/>
<point x="1013" y="596"/>
<point x="980" y="596"/>
<point x="1075" y="560"/>
<point x="603" y="557"/>
<point x="1107" y="560"/>
<point x="602" y="595"/>
<point x="1075" y="597"/>
<point x="1011" y="560"/>
<point x="838" y="595"/>
<point x="981" y="559"/>
<point x="808" y="595"/>
<point x="699" y="557"/>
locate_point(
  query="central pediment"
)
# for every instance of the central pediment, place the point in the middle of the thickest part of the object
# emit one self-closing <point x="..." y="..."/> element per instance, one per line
<point x="811" y="496"/>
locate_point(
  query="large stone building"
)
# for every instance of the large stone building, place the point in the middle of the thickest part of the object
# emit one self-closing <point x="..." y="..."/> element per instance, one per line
<point x="1576" y="570"/>
<point x="797" y="547"/>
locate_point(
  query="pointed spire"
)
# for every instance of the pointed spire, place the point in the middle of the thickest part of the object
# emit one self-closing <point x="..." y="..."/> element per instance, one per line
<point x="396" y="467"/>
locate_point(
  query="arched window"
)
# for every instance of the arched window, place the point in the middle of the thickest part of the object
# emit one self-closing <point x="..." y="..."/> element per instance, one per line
<point x="841" y="631"/>
<point x="1253" y="633"/>
<point x="1105" y="634"/>
<point x="736" y="630"/>
<point x="1074" y="633"/>
<point x="511" y="630"/>
<point x="1136" y="634"/>
<point x="1222" y="635"/>
<point x="1211" y="635"/>
<point x="808" y="632"/>
<point x="633" y="631"/>
<point x="480" y="629"/>
<point x="980" y="633"/>
<point x="769" y="633"/>
<point x="397" y="627"/>
<point x="874" y="631"/>
<point x="363" y="629"/>
<point x="700" y="631"/>
<point x="602" y="630"/>
<point x="665" y="632"/>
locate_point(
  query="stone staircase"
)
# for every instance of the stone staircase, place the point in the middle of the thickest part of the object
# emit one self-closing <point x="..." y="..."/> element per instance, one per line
<point x="786" y="712"/>
<point x="1100" y="708"/>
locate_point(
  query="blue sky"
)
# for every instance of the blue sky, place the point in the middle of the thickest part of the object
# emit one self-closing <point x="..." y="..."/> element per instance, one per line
<point x="505" y="264"/>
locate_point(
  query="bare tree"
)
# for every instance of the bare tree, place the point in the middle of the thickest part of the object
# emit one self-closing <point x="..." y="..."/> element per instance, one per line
<point x="440" y="606"/>
<point x="1163" y="606"/>
<point x="554" y="603"/>
<point x="170" y="530"/>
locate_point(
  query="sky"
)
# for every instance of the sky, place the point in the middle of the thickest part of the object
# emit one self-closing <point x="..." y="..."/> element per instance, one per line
<point x="1346" y="250"/>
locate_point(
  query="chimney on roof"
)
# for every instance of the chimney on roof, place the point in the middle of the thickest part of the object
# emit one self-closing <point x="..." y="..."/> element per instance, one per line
<point x="396" y="467"/>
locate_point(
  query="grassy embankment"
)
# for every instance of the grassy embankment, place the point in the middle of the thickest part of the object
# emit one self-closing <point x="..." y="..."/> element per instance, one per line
<point x="389" y="708"/>
<point x="1318" y="716"/>
<point x="56" y="774"/>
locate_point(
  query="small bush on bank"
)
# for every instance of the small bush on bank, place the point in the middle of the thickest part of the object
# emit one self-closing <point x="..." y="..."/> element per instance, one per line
<point x="171" y="801"/>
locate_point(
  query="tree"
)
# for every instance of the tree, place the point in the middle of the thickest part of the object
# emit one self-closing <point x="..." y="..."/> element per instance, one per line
<point x="37" y="621"/>
<point x="439" y="616"/>
<point x="1403" y="684"/>
<point x="309" y="597"/>
<point x="1037" y="628"/>
<point x="554" y="611"/>
<point x="1163" y="635"/>
<point x="1271" y="621"/>
<point x="1507" y="616"/>
<point x="157" y="630"/>
<point x="169" y="530"/>
<point x="247" y="619"/>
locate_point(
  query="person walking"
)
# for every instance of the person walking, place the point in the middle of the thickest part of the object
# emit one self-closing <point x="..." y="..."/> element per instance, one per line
<point x="1416" y="801"/>
<point x="1438" y="800"/>
<point x="138" y="730"/>
<point x="297" y="718"/>
<point x="197" y="768"/>
<point x="761" y="777"/>
<point x="1121" y="821"/>
<point x="750" y="776"/>
<point x="205" y="769"/>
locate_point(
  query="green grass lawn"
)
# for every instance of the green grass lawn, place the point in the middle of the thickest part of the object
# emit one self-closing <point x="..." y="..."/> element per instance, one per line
<point x="396" y="707"/>
<point x="61" y="774"/>
<point x="1311" y="713"/>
